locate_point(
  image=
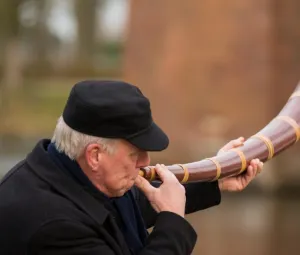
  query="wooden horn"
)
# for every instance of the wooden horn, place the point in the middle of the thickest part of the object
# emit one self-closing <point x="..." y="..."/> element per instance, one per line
<point x="279" y="134"/>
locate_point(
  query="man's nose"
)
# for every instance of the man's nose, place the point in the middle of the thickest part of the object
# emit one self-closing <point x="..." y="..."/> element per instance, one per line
<point x="144" y="159"/>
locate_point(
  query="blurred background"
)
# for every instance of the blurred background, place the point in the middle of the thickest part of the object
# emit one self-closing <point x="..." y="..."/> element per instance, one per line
<point x="213" y="70"/>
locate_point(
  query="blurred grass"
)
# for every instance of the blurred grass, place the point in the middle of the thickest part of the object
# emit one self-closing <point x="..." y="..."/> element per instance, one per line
<point x="33" y="109"/>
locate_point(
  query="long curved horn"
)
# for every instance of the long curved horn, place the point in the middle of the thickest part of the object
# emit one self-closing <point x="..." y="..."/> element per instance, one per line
<point x="281" y="133"/>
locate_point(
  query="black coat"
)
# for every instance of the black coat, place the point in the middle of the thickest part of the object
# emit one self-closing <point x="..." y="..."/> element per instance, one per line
<point x="43" y="211"/>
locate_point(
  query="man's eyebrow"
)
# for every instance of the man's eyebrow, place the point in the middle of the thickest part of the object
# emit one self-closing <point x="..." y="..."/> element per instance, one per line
<point x="133" y="151"/>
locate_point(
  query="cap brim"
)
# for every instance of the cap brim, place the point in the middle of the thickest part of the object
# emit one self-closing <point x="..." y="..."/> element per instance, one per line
<point x="153" y="139"/>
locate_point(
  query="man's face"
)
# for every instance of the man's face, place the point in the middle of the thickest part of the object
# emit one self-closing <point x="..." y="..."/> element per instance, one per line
<point x="117" y="171"/>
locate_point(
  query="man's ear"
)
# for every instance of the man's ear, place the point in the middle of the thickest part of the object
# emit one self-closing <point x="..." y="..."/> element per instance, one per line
<point x="93" y="154"/>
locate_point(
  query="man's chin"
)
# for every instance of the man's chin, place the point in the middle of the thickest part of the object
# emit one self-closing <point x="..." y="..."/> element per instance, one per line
<point x="120" y="193"/>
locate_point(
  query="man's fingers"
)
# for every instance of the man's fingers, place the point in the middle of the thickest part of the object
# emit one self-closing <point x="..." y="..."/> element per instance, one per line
<point x="257" y="165"/>
<point x="238" y="142"/>
<point x="233" y="144"/>
<point x="143" y="184"/>
<point x="164" y="173"/>
<point x="250" y="173"/>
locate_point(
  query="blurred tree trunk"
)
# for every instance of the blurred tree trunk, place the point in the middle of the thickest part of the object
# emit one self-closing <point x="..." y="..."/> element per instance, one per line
<point x="41" y="38"/>
<point x="10" y="42"/>
<point x="11" y="55"/>
<point x="213" y="70"/>
<point x="86" y="26"/>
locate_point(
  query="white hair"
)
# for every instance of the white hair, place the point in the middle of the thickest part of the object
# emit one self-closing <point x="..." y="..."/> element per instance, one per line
<point x="73" y="143"/>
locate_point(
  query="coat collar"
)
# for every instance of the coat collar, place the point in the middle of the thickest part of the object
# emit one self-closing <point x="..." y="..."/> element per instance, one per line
<point x="44" y="167"/>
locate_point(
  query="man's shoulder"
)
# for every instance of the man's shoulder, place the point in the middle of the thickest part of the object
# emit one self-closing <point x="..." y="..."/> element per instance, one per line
<point x="28" y="205"/>
<point x="24" y="195"/>
<point x="21" y="190"/>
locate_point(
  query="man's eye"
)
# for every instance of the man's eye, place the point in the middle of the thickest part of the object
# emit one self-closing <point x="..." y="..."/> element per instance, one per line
<point x="134" y="154"/>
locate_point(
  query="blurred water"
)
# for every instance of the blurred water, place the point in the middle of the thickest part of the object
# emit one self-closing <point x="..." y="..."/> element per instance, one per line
<point x="12" y="150"/>
<point x="244" y="223"/>
<point x="7" y="162"/>
<point x="247" y="225"/>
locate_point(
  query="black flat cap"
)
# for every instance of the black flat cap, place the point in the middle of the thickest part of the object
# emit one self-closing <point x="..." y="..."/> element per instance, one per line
<point x="114" y="109"/>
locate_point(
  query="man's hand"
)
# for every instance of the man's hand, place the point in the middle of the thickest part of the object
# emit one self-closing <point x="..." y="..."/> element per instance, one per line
<point x="170" y="196"/>
<point x="239" y="182"/>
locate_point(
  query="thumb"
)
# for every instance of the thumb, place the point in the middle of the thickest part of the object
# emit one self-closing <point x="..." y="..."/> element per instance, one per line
<point x="143" y="185"/>
<point x="238" y="142"/>
<point x="233" y="144"/>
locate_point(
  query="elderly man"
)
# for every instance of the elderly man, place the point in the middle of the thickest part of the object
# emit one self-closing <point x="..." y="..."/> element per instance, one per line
<point x="80" y="193"/>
